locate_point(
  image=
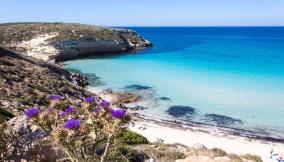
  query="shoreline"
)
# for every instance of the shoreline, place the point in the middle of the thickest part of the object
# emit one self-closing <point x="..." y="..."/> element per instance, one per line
<point x="232" y="140"/>
<point x="206" y="128"/>
<point x="117" y="97"/>
<point x="171" y="133"/>
<point x="236" y="141"/>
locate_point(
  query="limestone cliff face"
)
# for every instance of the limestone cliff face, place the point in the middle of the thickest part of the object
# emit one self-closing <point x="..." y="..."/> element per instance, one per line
<point x="59" y="41"/>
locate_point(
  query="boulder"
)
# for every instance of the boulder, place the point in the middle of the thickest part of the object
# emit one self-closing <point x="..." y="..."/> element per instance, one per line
<point x="24" y="142"/>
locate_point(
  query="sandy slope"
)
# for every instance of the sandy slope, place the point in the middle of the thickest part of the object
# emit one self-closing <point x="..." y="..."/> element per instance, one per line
<point x="39" y="48"/>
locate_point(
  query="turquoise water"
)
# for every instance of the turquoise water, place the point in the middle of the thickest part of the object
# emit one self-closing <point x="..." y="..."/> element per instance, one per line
<point x="223" y="76"/>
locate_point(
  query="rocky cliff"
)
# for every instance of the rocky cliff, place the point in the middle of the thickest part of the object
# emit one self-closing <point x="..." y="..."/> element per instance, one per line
<point x="61" y="41"/>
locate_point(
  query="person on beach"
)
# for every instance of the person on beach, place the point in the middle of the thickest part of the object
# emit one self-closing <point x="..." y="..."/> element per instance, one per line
<point x="276" y="156"/>
<point x="280" y="158"/>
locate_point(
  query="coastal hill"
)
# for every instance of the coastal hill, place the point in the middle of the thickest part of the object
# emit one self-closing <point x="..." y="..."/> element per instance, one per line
<point x="62" y="41"/>
<point x="27" y="82"/>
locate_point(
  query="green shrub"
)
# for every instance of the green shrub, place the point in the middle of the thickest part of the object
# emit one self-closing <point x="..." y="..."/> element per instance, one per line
<point x="2" y="119"/>
<point x="132" y="138"/>
<point x="171" y="155"/>
<point x="218" y="152"/>
<point x="2" y="141"/>
<point x="252" y="157"/>
<point x="235" y="158"/>
<point x="5" y="115"/>
<point x="127" y="154"/>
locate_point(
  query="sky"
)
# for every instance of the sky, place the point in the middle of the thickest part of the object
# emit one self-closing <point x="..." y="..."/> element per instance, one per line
<point x="147" y="12"/>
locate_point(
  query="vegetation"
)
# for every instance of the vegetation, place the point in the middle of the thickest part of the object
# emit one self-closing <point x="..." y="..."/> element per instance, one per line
<point x="132" y="138"/>
<point x="2" y="140"/>
<point x="25" y="83"/>
<point x="13" y="33"/>
<point x="218" y="152"/>
<point x="252" y="157"/>
<point x="5" y="115"/>
<point x="84" y="133"/>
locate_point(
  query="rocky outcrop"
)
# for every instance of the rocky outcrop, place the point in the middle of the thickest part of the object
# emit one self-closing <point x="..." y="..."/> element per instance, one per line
<point x="25" y="142"/>
<point x="119" y="98"/>
<point x="60" y="41"/>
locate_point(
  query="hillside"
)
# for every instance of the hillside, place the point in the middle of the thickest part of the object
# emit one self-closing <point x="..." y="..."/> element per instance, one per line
<point x="26" y="82"/>
<point x="61" y="41"/>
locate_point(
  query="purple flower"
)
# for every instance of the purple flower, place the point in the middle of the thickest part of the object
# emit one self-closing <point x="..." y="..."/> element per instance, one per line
<point x="32" y="112"/>
<point x="104" y="103"/>
<point x="89" y="99"/>
<point x="62" y="114"/>
<point x="97" y="111"/>
<point x="50" y="111"/>
<point x="118" y="113"/>
<point x="72" y="124"/>
<point x="70" y="110"/>
<point x="55" y="97"/>
<point x="100" y="151"/>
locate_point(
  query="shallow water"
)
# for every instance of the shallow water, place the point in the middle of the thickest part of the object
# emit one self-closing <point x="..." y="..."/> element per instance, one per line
<point x="224" y="76"/>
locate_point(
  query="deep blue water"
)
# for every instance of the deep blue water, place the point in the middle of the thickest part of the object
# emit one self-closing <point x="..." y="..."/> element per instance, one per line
<point x="228" y="76"/>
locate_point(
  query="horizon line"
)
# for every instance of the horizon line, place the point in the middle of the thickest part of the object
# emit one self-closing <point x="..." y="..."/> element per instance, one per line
<point x="202" y="26"/>
<point x="145" y="25"/>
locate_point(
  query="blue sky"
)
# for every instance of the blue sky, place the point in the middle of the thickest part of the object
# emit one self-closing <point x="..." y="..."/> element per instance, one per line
<point x="147" y="12"/>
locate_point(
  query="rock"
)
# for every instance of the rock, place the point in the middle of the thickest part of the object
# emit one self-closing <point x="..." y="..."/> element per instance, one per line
<point x="78" y="79"/>
<point x="63" y="41"/>
<point x="181" y="111"/>
<point x="121" y="98"/>
<point x="165" y="98"/>
<point x="199" y="146"/>
<point x="222" y="119"/>
<point x="23" y="142"/>
<point x="222" y="159"/>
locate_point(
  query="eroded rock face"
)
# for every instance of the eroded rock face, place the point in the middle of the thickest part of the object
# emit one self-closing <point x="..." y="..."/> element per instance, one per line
<point x="120" y="98"/>
<point x="60" y="41"/>
<point x="23" y="142"/>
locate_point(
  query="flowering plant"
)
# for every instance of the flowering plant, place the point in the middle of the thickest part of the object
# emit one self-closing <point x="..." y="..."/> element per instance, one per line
<point x="84" y="133"/>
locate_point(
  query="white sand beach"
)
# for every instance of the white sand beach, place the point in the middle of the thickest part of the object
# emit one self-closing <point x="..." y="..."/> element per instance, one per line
<point x="231" y="144"/>
<point x="154" y="131"/>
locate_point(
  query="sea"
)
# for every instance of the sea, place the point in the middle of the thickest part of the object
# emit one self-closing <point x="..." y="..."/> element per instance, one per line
<point x="230" y="77"/>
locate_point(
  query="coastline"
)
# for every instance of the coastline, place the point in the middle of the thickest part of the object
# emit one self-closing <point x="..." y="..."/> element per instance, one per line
<point x="119" y="97"/>
<point x="207" y="128"/>
<point x="190" y="133"/>
<point x="171" y="133"/>
<point x="171" y="130"/>
<point x="58" y="42"/>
